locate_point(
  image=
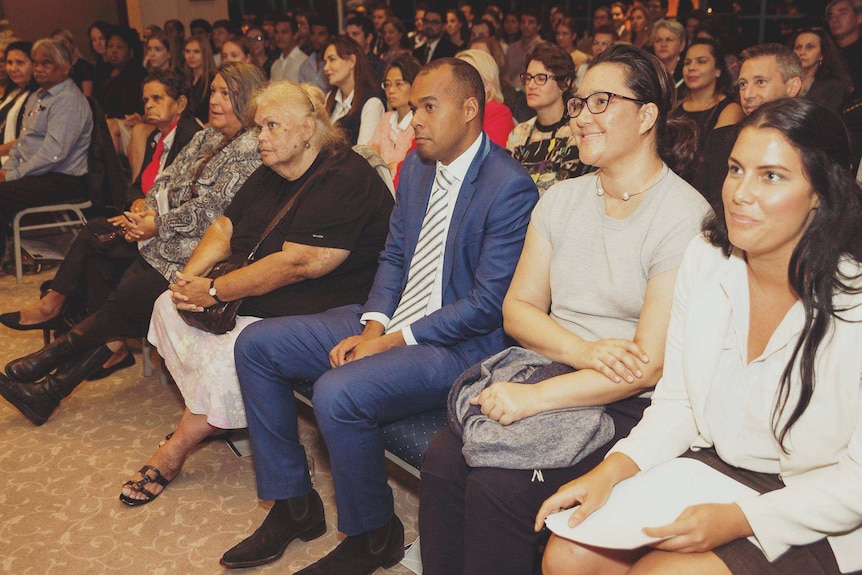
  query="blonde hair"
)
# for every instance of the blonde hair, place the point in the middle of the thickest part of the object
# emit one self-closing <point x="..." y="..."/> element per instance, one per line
<point x="488" y="70"/>
<point x="300" y="101"/>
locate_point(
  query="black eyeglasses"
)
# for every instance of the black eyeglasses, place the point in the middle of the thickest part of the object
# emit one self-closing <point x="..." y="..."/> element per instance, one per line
<point x="541" y="79"/>
<point x="397" y="83"/>
<point x="257" y="38"/>
<point x="597" y="102"/>
<point x="432" y="21"/>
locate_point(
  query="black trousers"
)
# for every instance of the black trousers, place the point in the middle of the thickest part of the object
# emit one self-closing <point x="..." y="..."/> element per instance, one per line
<point x="478" y="521"/>
<point x="93" y="268"/>
<point x="35" y="191"/>
<point x="127" y="310"/>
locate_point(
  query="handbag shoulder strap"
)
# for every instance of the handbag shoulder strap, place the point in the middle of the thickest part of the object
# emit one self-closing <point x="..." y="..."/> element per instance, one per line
<point x="283" y="211"/>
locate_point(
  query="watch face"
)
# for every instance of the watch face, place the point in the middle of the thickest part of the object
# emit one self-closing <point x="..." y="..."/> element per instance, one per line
<point x="212" y="291"/>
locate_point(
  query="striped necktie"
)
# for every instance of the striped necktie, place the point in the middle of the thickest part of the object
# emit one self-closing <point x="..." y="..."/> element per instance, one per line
<point x="426" y="258"/>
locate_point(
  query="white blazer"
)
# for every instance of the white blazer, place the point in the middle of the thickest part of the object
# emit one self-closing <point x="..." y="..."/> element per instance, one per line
<point x="822" y="470"/>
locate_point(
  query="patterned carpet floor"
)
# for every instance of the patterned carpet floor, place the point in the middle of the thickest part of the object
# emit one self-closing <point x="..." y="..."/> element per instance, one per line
<point x="59" y="512"/>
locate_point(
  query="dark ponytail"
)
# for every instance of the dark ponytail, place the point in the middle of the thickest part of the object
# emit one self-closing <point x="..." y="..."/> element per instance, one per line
<point x="650" y="82"/>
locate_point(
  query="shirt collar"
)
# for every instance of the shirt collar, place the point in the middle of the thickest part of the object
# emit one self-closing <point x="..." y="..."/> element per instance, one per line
<point x="348" y="101"/>
<point x="459" y="166"/>
<point x="54" y="90"/>
<point x="403" y="124"/>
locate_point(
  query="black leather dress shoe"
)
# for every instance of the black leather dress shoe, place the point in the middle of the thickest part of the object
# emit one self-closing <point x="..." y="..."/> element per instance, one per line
<point x="12" y="320"/>
<point x="299" y="517"/>
<point x="363" y="554"/>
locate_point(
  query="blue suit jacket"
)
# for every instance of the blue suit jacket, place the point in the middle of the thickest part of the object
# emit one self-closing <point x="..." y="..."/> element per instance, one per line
<point x="483" y="245"/>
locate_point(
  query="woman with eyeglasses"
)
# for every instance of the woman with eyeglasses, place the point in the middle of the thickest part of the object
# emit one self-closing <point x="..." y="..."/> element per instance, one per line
<point x="394" y="134"/>
<point x="545" y="144"/>
<point x="591" y="297"/>
<point x="257" y="46"/>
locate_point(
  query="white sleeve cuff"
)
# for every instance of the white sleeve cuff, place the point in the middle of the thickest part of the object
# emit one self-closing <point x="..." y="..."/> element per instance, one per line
<point x="374" y="316"/>
<point x="407" y="333"/>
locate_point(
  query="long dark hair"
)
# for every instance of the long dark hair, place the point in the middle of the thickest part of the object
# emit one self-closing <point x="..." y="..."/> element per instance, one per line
<point x="832" y="65"/>
<point x="834" y="233"/>
<point x="723" y="82"/>
<point x="364" y="83"/>
<point x="649" y="81"/>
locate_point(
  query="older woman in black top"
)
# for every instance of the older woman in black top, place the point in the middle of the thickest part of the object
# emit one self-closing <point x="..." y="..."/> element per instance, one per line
<point x="322" y="254"/>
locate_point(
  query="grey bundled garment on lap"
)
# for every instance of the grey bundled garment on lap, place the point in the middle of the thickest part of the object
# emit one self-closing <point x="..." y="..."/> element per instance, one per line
<point x="549" y="440"/>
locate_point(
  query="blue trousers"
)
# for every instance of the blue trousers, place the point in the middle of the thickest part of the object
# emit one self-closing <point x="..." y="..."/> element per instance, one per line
<point x="351" y="402"/>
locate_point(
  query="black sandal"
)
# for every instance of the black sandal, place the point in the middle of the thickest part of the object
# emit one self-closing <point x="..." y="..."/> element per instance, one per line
<point x="139" y="486"/>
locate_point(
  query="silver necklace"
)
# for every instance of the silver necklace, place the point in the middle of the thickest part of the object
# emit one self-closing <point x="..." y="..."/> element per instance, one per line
<point x="627" y="196"/>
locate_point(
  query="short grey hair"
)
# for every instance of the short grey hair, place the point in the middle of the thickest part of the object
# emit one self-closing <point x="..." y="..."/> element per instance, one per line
<point x="59" y="52"/>
<point x="856" y="4"/>
<point x="675" y="27"/>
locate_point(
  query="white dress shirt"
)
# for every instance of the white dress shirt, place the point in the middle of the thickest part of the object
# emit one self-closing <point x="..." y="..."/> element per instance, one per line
<point x="457" y="169"/>
<point x="287" y="67"/>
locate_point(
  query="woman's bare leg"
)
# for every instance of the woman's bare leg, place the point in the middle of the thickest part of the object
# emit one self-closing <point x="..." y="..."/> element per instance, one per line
<point x="564" y="557"/>
<point x="171" y="454"/>
<point x="667" y="563"/>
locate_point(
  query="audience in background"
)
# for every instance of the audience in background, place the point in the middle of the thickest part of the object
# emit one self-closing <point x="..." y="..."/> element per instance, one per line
<point x="437" y="44"/>
<point x="516" y="56"/>
<point x="395" y="41"/>
<point x="668" y="42"/>
<point x="320" y="31"/>
<point x="256" y="40"/>
<point x="394" y="134"/>
<point x="353" y="100"/>
<point x="707" y="95"/>
<point x="545" y="145"/>
<point x="199" y="71"/>
<point x="82" y="70"/>
<point x="457" y="28"/>
<point x="498" y="121"/>
<point x="361" y="30"/>
<point x="290" y="58"/>
<point x="824" y="80"/>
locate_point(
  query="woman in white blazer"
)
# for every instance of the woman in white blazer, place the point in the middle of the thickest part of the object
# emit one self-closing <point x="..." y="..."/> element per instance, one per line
<point x="761" y="373"/>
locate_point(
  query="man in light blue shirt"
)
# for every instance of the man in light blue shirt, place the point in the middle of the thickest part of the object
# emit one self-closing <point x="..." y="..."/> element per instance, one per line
<point x="311" y="71"/>
<point x="48" y="164"/>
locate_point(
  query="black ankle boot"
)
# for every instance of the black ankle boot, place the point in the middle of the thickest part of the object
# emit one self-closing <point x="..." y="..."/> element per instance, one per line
<point x="288" y="519"/>
<point x="363" y="554"/>
<point x="37" y="401"/>
<point x="37" y="365"/>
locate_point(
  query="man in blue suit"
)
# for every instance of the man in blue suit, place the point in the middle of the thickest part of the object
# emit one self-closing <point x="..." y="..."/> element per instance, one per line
<point x="435" y="309"/>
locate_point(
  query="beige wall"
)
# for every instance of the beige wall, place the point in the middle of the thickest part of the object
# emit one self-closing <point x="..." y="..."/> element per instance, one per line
<point x="34" y="19"/>
<point x="145" y="12"/>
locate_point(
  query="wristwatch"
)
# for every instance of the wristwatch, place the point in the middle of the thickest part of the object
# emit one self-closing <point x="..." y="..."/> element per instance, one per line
<point x="214" y="292"/>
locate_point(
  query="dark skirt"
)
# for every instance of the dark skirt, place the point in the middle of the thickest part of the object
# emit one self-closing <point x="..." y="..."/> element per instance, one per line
<point x="742" y="557"/>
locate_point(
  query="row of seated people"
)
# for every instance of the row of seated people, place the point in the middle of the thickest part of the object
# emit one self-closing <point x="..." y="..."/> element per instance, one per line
<point x="607" y="279"/>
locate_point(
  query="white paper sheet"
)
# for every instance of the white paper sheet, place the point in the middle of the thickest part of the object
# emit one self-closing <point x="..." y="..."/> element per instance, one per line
<point x="650" y="499"/>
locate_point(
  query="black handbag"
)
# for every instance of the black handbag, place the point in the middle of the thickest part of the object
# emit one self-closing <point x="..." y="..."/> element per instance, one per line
<point x="220" y="318"/>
